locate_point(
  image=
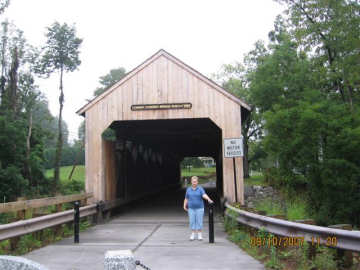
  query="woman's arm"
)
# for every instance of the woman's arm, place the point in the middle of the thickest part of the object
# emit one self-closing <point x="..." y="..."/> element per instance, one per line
<point x="206" y="197"/>
<point x="185" y="204"/>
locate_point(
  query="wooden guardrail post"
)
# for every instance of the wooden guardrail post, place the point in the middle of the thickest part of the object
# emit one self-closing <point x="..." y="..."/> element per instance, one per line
<point x="344" y="255"/>
<point x="312" y="248"/>
<point x="20" y="215"/>
<point x="100" y="216"/>
<point x="58" y="230"/>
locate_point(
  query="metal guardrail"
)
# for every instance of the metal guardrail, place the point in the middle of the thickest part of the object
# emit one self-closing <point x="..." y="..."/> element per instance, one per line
<point x="22" y="227"/>
<point x="347" y="240"/>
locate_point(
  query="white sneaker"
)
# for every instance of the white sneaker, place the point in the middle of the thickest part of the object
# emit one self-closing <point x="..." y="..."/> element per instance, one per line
<point x="192" y="237"/>
<point x="200" y="237"/>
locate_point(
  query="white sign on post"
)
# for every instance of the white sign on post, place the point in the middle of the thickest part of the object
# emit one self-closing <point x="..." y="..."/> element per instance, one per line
<point x="233" y="147"/>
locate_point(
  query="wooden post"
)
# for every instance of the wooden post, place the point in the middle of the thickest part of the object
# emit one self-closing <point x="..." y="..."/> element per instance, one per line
<point x="59" y="228"/>
<point x="312" y="248"/>
<point x="20" y="215"/>
<point x="344" y="255"/>
<point x="235" y="184"/>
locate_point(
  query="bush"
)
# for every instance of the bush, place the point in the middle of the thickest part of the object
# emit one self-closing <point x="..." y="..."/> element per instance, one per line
<point x="72" y="186"/>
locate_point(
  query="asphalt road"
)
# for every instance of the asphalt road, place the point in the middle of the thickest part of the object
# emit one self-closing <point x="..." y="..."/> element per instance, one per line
<point x="157" y="232"/>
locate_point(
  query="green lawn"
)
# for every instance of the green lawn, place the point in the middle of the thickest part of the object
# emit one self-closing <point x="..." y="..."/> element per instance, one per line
<point x="79" y="173"/>
<point x="198" y="172"/>
<point x="257" y="180"/>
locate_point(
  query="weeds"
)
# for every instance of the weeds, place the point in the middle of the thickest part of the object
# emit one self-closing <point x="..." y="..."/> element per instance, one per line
<point x="39" y="239"/>
<point x="289" y="257"/>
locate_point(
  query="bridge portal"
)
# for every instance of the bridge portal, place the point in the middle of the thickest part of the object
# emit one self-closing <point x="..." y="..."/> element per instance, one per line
<point x="160" y="112"/>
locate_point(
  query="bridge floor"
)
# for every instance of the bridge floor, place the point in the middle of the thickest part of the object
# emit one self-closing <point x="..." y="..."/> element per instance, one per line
<point x="157" y="232"/>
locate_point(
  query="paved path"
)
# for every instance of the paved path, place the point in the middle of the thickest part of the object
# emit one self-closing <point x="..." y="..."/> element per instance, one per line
<point x="157" y="232"/>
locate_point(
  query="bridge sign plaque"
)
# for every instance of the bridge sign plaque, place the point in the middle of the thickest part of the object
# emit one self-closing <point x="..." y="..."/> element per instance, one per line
<point x="233" y="147"/>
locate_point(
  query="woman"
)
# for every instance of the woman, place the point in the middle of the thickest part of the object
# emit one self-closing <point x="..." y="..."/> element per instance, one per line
<point x="194" y="205"/>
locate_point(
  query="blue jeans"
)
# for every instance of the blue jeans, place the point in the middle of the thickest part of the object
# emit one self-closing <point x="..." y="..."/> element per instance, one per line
<point x="196" y="218"/>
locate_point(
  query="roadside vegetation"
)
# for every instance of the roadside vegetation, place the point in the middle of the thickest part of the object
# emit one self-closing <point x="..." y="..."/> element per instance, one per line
<point x="280" y="257"/>
<point x="29" y="242"/>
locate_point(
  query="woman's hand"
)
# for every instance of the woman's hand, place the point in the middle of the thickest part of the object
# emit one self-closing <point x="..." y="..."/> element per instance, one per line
<point x="186" y="205"/>
<point x="210" y="201"/>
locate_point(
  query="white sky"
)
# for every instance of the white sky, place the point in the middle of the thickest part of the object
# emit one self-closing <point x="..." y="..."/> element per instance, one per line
<point x="203" y="34"/>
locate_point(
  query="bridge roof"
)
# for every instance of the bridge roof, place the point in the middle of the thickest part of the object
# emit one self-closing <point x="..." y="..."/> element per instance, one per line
<point x="172" y="58"/>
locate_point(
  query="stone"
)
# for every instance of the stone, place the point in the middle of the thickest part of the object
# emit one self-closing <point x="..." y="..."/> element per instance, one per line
<point x="119" y="260"/>
<point x="257" y="188"/>
<point x="250" y="205"/>
<point x="248" y="191"/>
<point x="17" y="263"/>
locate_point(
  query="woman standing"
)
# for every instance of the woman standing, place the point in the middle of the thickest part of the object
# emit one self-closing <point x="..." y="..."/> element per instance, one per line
<point x="194" y="205"/>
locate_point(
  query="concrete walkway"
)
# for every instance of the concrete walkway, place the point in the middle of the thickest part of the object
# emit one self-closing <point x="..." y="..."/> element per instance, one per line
<point x="157" y="232"/>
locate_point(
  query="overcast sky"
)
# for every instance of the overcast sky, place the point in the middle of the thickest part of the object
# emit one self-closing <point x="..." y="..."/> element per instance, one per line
<point x="116" y="33"/>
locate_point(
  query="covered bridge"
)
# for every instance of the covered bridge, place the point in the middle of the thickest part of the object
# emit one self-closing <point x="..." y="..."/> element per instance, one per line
<point x="161" y="111"/>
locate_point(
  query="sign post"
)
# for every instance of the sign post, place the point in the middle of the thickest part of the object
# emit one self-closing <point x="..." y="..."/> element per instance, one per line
<point x="234" y="148"/>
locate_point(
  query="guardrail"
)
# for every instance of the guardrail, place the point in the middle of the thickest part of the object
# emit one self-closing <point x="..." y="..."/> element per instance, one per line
<point x="347" y="240"/>
<point x="22" y="227"/>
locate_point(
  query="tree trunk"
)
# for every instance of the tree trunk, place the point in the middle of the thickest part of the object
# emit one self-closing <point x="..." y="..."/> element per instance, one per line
<point x="13" y="74"/>
<point x="75" y="163"/>
<point x="60" y="138"/>
<point x="246" y="158"/>
<point x="28" y="150"/>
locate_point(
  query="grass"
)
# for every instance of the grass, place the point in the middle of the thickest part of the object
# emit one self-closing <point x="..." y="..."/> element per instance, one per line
<point x="29" y="242"/>
<point x="258" y="180"/>
<point x="296" y="209"/>
<point x="285" y="258"/>
<point x="198" y="172"/>
<point x="79" y="173"/>
<point x="292" y="209"/>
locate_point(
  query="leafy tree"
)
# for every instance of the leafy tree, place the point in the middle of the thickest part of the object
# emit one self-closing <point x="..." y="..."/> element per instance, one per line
<point x="106" y="82"/>
<point x="234" y="79"/>
<point x="61" y="53"/>
<point x="330" y="29"/>
<point x="3" y="5"/>
<point x="192" y="161"/>
<point x="311" y="125"/>
<point x="109" y="80"/>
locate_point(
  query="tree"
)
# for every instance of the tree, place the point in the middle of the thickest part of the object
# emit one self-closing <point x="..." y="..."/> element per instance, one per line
<point x="61" y="53"/>
<point x="106" y="82"/>
<point x="331" y="29"/>
<point x="21" y="155"/>
<point x="311" y="125"/>
<point x="3" y="5"/>
<point x="109" y="80"/>
<point x="234" y="79"/>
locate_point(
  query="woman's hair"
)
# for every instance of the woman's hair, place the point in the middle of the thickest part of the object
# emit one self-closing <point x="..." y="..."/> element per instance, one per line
<point x="195" y="178"/>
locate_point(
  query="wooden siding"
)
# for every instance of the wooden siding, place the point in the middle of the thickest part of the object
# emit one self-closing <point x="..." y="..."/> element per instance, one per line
<point x="161" y="81"/>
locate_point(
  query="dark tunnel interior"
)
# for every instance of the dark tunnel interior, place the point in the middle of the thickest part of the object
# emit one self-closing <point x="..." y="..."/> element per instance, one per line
<point x="147" y="153"/>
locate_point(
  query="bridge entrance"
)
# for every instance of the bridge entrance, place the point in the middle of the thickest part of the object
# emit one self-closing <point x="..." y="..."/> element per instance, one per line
<point x="145" y="155"/>
<point x="160" y="112"/>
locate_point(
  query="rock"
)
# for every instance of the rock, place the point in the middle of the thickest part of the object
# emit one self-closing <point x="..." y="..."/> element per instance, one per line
<point x="257" y="188"/>
<point x="251" y="205"/>
<point x="119" y="260"/>
<point x="15" y="263"/>
<point x="248" y="191"/>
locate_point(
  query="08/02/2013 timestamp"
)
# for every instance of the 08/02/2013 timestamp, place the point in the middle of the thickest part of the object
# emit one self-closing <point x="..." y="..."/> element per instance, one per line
<point x="330" y="241"/>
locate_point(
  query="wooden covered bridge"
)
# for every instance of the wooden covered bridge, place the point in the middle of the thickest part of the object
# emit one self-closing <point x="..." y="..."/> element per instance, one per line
<point x="161" y="112"/>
